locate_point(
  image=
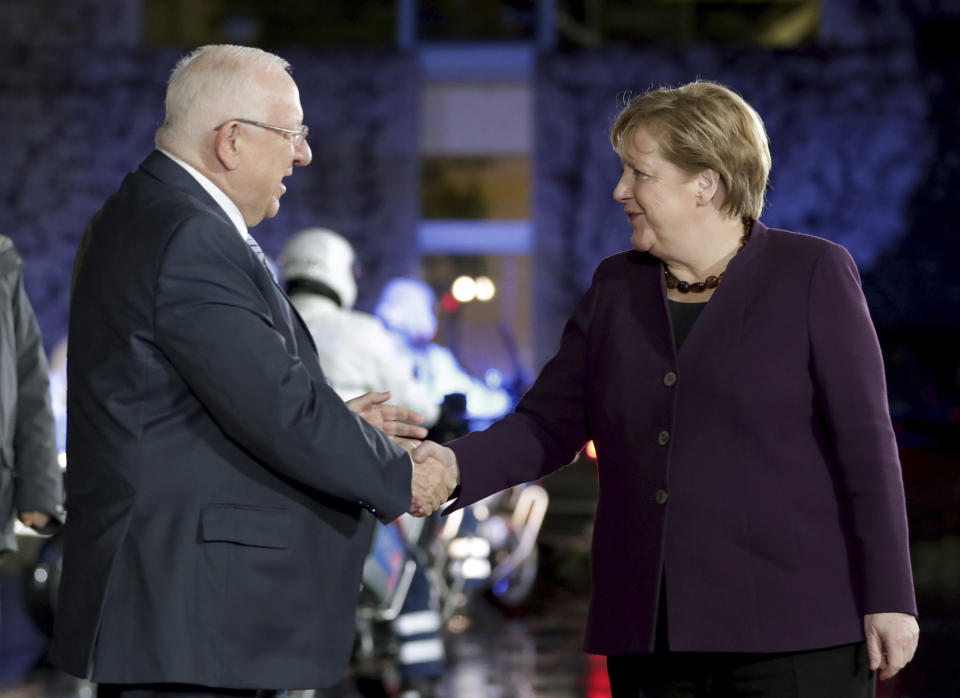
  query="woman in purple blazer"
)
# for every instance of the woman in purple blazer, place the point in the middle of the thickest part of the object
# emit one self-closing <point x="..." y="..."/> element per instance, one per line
<point x="751" y="534"/>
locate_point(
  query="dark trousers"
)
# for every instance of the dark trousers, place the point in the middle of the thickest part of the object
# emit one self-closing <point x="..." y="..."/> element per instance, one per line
<point x="178" y="690"/>
<point x="833" y="672"/>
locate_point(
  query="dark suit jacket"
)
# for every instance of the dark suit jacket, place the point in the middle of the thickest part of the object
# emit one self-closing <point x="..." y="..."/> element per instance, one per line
<point x="216" y="484"/>
<point x="756" y="467"/>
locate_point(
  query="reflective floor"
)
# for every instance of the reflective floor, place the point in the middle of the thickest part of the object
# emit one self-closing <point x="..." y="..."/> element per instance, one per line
<point x="536" y="650"/>
<point x="537" y="653"/>
<point x="492" y="653"/>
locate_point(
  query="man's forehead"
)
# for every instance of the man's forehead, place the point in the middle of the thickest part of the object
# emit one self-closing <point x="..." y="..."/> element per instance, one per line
<point x="276" y="81"/>
<point x="284" y="97"/>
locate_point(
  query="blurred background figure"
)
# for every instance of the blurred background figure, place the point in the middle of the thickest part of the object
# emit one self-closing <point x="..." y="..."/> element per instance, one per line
<point x="319" y="268"/>
<point x="31" y="484"/>
<point x="407" y="308"/>
<point x="58" y="397"/>
<point x="490" y="545"/>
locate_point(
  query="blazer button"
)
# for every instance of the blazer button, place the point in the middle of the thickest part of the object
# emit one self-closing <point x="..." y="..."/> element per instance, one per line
<point x="669" y="378"/>
<point x="660" y="497"/>
<point x="663" y="437"/>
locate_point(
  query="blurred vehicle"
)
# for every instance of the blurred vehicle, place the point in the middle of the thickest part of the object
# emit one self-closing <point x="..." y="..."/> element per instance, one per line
<point x="490" y="547"/>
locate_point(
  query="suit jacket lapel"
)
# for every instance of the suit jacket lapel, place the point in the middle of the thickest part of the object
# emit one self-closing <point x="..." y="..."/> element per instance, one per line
<point x="167" y="171"/>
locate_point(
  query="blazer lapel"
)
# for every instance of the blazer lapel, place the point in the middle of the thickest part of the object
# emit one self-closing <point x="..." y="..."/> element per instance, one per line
<point x="720" y="324"/>
<point x="646" y="282"/>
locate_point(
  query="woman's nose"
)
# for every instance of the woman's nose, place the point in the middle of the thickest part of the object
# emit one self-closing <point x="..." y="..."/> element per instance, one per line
<point x="621" y="191"/>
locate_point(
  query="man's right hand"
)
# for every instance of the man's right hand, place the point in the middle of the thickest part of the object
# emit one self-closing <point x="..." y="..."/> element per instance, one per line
<point x="435" y="476"/>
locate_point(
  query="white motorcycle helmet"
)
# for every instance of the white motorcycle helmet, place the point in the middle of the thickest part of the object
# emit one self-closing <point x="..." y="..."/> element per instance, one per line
<point x="321" y="256"/>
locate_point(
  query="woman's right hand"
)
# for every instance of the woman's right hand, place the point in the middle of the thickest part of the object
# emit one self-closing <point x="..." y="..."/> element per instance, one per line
<point x="891" y="641"/>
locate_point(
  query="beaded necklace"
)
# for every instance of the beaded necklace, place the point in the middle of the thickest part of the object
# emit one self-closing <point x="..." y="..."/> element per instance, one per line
<point x="711" y="281"/>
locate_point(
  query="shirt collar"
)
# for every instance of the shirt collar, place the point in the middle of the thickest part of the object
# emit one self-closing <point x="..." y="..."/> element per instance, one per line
<point x="224" y="201"/>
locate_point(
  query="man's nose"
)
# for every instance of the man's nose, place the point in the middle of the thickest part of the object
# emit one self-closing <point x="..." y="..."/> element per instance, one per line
<point x="303" y="155"/>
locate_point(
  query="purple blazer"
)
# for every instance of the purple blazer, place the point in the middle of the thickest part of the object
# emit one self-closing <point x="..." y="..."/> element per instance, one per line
<point x="755" y="470"/>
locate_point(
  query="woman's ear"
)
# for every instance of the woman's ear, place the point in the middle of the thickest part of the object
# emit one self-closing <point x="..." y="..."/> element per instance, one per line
<point x="226" y="144"/>
<point x="708" y="186"/>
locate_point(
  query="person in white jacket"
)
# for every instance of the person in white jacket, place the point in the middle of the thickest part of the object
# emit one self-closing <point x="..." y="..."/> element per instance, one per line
<point x="356" y="351"/>
<point x="358" y="355"/>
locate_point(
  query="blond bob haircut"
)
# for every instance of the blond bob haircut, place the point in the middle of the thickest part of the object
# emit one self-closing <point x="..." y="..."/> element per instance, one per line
<point x="703" y="125"/>
<point x="211" y="85"/>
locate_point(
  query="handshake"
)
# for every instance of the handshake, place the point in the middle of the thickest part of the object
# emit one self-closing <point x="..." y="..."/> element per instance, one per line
<point x="435" y="471"/>
<point x="435" y="476"/>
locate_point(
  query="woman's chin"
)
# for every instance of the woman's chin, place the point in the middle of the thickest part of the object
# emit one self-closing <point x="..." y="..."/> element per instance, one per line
<point x="641" y="242"/>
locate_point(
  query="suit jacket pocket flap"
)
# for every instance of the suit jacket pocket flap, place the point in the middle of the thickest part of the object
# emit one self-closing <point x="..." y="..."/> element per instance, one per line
<point x="263" y="528"/>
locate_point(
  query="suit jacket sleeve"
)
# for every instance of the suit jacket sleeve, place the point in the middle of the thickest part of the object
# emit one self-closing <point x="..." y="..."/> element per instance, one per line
<point x="216" y="327"/>
<point x="39" y="482"/>
<point x="849" y="381"/>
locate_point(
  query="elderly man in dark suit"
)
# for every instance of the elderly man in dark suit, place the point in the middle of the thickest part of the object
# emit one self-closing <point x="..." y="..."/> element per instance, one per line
<point x="219" y="492"/>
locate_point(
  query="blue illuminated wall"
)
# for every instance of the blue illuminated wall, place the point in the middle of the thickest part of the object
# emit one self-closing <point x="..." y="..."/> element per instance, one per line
<point x="866" y="152"/>
<point x="75" y="117"/>
<point x="864" y="136"/>
<point x="863" y="131"/>
<point x="848" y="138"/>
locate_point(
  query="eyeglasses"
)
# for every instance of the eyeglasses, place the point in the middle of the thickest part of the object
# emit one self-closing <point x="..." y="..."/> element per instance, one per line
<point x="294" y="135"/>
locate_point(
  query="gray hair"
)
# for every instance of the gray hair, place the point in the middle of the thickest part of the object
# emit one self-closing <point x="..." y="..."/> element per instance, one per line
<point x="211" y="85"/>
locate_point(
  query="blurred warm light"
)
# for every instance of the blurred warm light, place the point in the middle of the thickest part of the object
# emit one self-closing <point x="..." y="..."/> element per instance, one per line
<point x="469" y="546"/>
<point x="485" y="288"/>
<point x="449" y="303"/>
<point x="598" y="681"/>
<point x="459" y="623"/>
<point x="476" y="568"/>
<point x="590" y="450"/>
<point x="464" y="289"/>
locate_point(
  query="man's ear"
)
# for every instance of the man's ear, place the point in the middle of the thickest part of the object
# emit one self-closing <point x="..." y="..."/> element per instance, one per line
<point x="708" y="186"/>
<point x="226" y="144"/>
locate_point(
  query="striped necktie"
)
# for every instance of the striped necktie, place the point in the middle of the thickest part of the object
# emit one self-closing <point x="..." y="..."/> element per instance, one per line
<point x="258" y="251"/>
